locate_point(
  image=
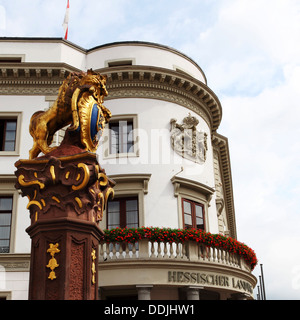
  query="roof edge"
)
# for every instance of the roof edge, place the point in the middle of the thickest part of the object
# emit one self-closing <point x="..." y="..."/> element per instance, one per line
<point x="106" y="45"/>
<point x="150" y="44"/>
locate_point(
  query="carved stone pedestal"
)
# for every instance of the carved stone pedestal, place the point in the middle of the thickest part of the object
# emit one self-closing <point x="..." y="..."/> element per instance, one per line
<point x="67" y="196"/>
<point x="63" y="260"/>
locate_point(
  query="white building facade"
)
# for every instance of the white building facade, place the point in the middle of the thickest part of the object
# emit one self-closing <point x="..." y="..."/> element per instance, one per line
<point x="162" y="148"/>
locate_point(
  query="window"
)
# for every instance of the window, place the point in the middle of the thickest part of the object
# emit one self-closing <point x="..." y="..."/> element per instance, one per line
<point x="193" y="199"/>
<point x="10" y="133"/>
<point x="121" y="137"/>
<point x="128" y="187"/>
<point x="5" y="222"/>
<point x="122" y="212"/>
<point x="8" y="129"/>
<point x="120" y="63"/>
<point x="10" y="59"/>
<point x="193" y="215"/>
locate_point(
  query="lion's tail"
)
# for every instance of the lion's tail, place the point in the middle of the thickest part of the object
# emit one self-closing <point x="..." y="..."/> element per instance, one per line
<point x="32" y="121"/>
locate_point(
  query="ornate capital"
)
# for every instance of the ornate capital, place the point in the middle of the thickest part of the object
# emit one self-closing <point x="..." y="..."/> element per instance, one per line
<point x="70" y="184"/>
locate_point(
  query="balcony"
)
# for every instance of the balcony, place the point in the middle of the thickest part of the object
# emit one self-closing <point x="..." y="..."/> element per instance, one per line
<point x="152" y="257"/>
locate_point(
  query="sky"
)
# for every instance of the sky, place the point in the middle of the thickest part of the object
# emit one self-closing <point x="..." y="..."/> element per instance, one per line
<point x="250" y="53"/>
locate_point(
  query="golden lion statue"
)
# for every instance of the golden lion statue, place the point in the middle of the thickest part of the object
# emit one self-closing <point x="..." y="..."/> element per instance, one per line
<point x="80" y="98"/>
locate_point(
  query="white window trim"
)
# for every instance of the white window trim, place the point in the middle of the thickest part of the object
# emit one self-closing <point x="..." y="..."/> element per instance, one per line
<point x="21" y="56"/>
<point x="7" y="188"/>
<point x="6" y="294"/>
<point x="194" y="191"/>
<point x="18" y="117"/>
<point x="106" y="63"/>
<point x="106" y="136"/>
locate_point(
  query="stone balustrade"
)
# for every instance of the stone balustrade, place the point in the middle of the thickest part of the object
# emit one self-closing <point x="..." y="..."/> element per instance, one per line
<point x="190" y="251"/>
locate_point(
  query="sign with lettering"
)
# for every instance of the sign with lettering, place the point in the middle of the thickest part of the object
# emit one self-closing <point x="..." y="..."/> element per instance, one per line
<point x="209" y="279"/>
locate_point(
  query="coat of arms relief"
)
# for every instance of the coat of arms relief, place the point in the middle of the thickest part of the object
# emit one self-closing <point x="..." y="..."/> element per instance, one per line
<point x="187" y="141"/>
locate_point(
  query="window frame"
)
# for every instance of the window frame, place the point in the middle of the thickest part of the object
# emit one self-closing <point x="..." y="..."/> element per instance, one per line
<point x="12" y="58"/>
<point x="5" y="295"/>
<point x="130" y="185"/>
<point x="120" y="63"/>
<point x="122" y="130"/>
<point x="5" y="132"/>
<point x="7" y="196"/>
<point x="123" y="211"/>
<point x="194" y="191"/>
<point x="18" y="117"/>
<point x="193" y="213"/>
<point x="106" y="142"/>
<point x="7" y="188"/>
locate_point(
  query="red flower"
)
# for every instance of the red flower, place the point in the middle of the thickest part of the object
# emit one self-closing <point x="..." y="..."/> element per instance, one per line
<point x="180" y="236"/>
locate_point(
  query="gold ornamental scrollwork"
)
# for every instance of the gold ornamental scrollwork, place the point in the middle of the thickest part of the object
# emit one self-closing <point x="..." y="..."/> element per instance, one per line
<point x="52" y="172"/>
<point x="85" y="179"/>
<point x="52" y="264"/>
<point x="93" y="255"/>
<point x="29" y="183"/>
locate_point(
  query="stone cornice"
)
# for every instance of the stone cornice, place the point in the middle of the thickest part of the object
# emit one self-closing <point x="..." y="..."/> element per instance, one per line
<point x="164" y="84"/>
<point x="220" y="144"/>
<point x="32" y="78"/>
<point x="122" y="82"/>
<point x="33" y="69"/>
<point x="15" y="261"/>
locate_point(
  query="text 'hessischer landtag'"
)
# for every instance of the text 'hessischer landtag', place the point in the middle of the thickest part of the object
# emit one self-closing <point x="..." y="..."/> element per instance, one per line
<point x="209" y="279"/>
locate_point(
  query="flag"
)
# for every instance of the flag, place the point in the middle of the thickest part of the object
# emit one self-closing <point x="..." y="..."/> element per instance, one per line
<point x="66" y="21"/>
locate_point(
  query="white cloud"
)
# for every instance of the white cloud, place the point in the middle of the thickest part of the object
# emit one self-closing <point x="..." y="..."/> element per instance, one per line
<point x="33" y="18"/>
<point x="243" y="50"/>
<point x="263" y="133"/>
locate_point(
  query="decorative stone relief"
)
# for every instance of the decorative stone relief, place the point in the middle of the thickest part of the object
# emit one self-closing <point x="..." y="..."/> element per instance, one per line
<point x="187" y="141"/>
<point x="220" y="202"/>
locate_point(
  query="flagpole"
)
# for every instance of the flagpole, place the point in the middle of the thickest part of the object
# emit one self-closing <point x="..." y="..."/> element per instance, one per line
<point x="263" y="281"/>
<point x="66" y="21"/>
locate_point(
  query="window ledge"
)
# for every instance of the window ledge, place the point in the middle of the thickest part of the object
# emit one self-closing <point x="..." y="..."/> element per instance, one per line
<point x="120" y="155"/>
<point x="180" y="182"/>
<point x="139" y="178"/>
<point x="9" y="153"/>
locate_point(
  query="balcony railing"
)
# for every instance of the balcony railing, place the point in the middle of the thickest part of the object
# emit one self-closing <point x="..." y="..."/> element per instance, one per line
<point x="189" y="251"/>
<point x="176" y="245"/>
